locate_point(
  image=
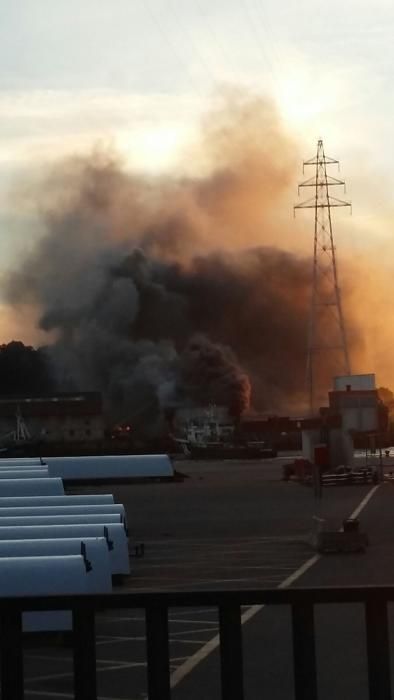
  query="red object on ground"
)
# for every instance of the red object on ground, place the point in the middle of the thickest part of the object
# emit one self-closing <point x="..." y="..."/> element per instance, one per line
<point x="322" y="456"/>
<point x="302" y="467"/>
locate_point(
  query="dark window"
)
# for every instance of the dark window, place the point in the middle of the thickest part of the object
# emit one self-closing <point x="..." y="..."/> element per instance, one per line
<point x="71" y="432"/>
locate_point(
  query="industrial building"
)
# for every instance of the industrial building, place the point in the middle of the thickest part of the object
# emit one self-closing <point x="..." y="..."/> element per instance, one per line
<point x="355" y="414"/>
<point x="354" y="417"/>
<point x="63" y="417"/>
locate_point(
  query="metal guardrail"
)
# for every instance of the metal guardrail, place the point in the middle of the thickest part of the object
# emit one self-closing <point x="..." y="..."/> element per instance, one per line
<point x="354" y="477"/>
<point x="156" y="605"/>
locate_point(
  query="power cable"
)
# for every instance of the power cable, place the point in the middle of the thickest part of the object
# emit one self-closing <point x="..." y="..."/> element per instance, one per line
<point x="266" y="28"/>
<point x="182" y="28"/>
<point x="266" y="61"/>
<point x="215" y="36"/>
<point x="172" y="46"/>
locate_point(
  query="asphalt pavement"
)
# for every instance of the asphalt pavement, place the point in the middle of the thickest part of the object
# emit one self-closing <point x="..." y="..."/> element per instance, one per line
<point x="232" y="525"/>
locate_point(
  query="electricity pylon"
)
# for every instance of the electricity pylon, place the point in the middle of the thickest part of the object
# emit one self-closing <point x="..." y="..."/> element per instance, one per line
<point x="326" y="330"/>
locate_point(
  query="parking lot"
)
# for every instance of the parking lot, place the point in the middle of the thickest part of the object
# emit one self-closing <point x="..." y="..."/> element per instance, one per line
<point x="226" y="525"/>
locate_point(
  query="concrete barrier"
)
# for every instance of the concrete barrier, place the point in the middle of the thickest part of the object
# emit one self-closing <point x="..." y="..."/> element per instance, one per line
<point x="113" y="532"/>
<point x="31" y="487"/>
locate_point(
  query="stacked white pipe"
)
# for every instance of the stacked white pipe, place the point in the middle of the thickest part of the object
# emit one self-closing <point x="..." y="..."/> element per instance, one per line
<point x="54" y="544"/>
<point x="110" y="467"/>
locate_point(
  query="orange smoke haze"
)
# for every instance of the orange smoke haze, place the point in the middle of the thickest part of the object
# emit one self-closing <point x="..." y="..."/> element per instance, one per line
<point x="368" y="302"/>
<point x="239" y="190"/>
<point x="144" y="264"/>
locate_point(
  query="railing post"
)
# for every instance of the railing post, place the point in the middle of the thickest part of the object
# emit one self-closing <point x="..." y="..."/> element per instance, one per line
<point x="378" y="649"/>
<point x="11" y="650"/>
<point x="157" y="651"/>
<point x="304" y="653"/>
<point x="84" y="643"/>
<point x="231" y="652"/>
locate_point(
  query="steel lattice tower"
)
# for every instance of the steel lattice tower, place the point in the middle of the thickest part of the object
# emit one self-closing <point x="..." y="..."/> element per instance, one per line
<point x="326" y="331"/>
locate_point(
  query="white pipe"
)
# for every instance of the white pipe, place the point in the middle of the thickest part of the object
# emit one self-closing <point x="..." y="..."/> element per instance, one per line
<point x="110" y="467"/>
<point x="23" y="576"/>
<point x="94" y="499"/>
<point x="31" y="487"/>
<point x="97" y="553"/>
<point x="101" y="509"/>
<point x="97" y="519"/>
<point x="48" y="575"/>
<point x="84" y="509"/>
<point x="21" y="467"/>
<point x="15" y="461"/>
<point x="113" y="532"/>
<point x="41" y="473"/>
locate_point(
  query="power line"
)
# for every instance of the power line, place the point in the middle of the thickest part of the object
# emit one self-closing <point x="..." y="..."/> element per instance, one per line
<point x="192" y="44"/>
<point x="215" y="36"/>
<point x="268" y="32"/>
<point x="266" y="61"/>
<point x="172" y="46"/>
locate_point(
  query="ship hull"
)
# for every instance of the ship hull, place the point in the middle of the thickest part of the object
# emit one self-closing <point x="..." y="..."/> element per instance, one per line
<point x="230" y="452"/>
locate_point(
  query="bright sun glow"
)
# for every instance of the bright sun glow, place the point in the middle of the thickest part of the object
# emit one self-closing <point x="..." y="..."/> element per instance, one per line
<point x="153" y="149"/>
<point x="305" y="96"/>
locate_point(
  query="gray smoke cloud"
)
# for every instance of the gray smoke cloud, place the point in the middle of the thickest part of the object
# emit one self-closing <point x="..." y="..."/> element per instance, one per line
<point x="156" y="288"/>
<point x="152" y="334"/>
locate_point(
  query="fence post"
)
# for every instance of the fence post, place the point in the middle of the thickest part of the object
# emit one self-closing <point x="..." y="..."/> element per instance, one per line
<point x="11" y="650"/>
<point x="378" y="649"/>
<point x="231" y="656"/>
<point x="157" y="651"/>
<point x="84" y="647"/>
<point x="304" y="653"/>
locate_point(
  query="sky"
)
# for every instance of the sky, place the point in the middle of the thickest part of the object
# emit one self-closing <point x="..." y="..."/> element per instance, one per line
<point x="136" y="76"/>
<point x="137" y="73"/>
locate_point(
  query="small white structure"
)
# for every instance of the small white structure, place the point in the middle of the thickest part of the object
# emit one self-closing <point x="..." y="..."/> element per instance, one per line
<point x="113" y="532"/>
<point x="110" y="467"/>
<point x="356" y="400"/>
<point x="31" y="487"/>
<point x="310" y="438"/>
<point x="355" y="382"/>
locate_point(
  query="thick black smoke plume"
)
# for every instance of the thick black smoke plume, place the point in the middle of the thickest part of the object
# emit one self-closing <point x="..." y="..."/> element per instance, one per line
<point x="156" y="289"/>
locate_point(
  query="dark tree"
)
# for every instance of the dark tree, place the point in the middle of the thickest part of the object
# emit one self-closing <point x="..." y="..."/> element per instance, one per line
<point x="24" y="370"/>
<point x="386" y="395"/>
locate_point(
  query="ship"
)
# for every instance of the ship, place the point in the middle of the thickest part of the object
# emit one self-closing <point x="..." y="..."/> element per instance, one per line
<point x="212" y="440"/>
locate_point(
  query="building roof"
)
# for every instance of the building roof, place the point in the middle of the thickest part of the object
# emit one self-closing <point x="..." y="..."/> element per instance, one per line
<point x="284" y="424"/>
<point x="52" y="405"/>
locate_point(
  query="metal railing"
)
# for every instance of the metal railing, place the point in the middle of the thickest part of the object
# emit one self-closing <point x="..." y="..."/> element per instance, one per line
<point x="228" y="603"/>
